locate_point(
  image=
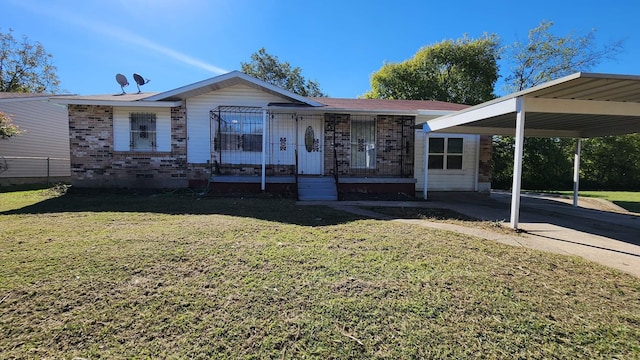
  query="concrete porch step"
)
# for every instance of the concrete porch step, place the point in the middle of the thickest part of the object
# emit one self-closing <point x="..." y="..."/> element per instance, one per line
<point x="317" y="188"/>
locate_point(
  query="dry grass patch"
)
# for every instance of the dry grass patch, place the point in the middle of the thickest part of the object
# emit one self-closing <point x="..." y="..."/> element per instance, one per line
<point x="174" y="276"/>
<point x="441" y="215"/>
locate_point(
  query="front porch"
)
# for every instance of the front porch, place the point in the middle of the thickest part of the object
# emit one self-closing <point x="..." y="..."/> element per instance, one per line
<point x="301" y="186"/>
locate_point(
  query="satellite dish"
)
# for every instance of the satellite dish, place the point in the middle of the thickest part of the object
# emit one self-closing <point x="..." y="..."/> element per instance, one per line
<point x="122" y="81"/>
<point x="140" y="81"/>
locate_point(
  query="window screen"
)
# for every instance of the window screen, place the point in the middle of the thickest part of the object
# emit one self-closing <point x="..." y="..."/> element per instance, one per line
<point x="143" y="131"/>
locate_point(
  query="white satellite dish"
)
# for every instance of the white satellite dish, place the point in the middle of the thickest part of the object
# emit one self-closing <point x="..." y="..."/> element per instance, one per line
<point x="140" y="81"/>
<point x="122" y="81"/>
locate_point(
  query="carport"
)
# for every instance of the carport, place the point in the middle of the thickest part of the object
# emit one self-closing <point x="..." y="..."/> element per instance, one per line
<point x="581" y="105"/>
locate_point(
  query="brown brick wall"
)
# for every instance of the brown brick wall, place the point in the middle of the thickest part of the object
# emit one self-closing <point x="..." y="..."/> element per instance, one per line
<point x="486" y="150"/>
<point x="94" y="163"/>
<point x="394" y="146"/>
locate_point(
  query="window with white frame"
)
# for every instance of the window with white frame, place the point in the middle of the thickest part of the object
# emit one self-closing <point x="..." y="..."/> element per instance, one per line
<point x="241" y="131"/>
<point x="445" y="153"/>
<point x="363" y="142"/>
<point x="143" y="131"/>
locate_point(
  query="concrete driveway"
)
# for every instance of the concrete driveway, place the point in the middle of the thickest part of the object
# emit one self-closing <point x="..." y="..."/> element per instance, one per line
<point x="596" y="230"/>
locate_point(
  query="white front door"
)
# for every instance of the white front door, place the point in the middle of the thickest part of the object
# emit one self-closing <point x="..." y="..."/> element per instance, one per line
<point x="310" y="145"/>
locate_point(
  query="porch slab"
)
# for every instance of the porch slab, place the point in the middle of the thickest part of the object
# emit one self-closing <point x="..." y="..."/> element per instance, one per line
<point x="253" y="179"/>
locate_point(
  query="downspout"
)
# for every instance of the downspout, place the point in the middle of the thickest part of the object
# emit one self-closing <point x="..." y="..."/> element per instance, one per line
<point x="264" y="150"/>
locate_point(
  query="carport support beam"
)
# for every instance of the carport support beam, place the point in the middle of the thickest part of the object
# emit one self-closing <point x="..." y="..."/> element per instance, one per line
<point x="263" y="179"/>
<point x="576" y="172"/>
<point x="517" y="164"/>
<point x="426" y="165"/>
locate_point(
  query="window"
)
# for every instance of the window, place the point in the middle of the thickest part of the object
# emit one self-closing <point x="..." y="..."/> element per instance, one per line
<point x="363" y="143"/>
<point x="143" y="131"/>
<point x="241" y="131"/>
<point x="445" y="153"/>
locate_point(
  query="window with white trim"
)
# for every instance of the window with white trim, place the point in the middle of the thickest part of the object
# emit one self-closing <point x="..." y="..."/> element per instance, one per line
<point x="363" y="142"/>
<point x="143" y="131"/>
<point x="241" y="131"/>
<point x="445" y="153"/>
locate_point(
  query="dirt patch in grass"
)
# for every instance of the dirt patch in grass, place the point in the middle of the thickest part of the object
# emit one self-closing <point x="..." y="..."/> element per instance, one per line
<point x="441" y="215"/>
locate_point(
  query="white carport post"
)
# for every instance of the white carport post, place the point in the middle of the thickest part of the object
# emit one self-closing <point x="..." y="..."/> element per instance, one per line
<point x="576" y="172"/>
<point x="426" y="165"/>
<point x="263" y="182"/>
<point x="517" y="163"/>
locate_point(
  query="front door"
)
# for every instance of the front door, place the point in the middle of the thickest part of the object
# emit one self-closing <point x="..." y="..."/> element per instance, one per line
<point x="310" y="145"/>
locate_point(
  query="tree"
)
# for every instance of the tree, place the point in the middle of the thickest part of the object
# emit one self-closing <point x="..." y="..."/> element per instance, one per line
<point x="545" y="57"/>
<point x="268" y="68"/>
<point x="7" y="128"/>
<point x="611" y="163"/>
<point x="463" y="71"/>
<point x="25" y="66"/>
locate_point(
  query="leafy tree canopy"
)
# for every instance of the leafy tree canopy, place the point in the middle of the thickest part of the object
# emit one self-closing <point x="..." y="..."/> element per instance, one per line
<point x="548" y="161"/>
<point x="545" y="56"/>
<point x="463" y="71"/>
<point x="25" y="66"/>
<point x="268" y="68"/>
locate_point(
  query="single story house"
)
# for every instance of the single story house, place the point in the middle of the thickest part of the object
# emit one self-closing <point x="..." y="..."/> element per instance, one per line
<point x="237" y="133"/>
<point x="41" y="152"/>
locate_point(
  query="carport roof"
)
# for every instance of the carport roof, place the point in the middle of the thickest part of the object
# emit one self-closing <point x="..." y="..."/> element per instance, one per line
<point x="580" y="105"/>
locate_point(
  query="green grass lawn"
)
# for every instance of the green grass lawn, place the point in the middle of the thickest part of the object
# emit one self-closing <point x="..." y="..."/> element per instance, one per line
<point x="626" y="199"/>
<point x="177" y="276"/>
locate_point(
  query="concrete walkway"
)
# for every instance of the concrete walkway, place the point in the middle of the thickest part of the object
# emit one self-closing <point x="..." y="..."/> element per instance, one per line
<point x="597" y="230"/>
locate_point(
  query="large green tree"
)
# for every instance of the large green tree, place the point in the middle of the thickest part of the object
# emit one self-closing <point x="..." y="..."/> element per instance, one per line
<point x="25" y="66"/>
<point x="545" y="56"/>
<point x="461" y="71"/>
<point x="270" y="69"/>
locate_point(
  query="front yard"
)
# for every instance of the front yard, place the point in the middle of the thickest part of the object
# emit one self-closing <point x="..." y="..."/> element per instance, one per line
<point x="95" y="275"/>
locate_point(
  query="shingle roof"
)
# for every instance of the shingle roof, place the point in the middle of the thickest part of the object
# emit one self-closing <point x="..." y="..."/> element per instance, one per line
<point x="387" y="104"/>
<point x="14" y="95"/>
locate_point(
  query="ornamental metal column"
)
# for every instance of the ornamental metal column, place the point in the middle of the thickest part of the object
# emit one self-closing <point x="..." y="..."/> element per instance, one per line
<point x="426" y="165"/>
<point x="517" y="163"/>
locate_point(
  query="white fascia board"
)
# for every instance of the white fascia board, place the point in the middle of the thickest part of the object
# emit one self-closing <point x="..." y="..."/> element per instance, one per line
<point x="320" y="110"/>
<point x="473" y="114"/>
<point x="477" y="130"/>
<point x="118" y="103"/>
<point x="585" y="107"/>
<point x="436" y="112"/>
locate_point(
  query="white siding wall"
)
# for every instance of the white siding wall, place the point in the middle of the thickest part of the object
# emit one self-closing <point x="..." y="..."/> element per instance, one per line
<point x="122" y="129"/>
<point x="46" y="135"/>
<point x="448" y="180"/>
<point x="198" y="123"/>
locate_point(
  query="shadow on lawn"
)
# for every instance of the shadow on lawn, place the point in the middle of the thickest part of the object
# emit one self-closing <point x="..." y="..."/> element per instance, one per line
<point x="184" y="202"/>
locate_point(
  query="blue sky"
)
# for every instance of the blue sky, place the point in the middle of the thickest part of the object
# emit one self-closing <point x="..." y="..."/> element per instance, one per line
<point x="336" y="43"/>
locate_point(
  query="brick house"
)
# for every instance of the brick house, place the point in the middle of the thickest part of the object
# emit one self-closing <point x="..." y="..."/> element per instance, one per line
<point x="234" y="132"/>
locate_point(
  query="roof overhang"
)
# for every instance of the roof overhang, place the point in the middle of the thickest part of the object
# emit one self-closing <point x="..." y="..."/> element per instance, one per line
<point x="226" y="80"/>
<point x="581" y="105"/>
<point x="143" y="104"/>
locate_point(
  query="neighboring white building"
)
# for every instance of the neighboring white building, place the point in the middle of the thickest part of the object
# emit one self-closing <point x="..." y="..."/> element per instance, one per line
<point x="41" y="153"/>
